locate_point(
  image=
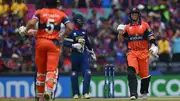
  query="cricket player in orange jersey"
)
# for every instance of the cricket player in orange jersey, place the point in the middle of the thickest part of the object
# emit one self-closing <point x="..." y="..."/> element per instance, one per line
<point x="47" y="51"/>
<point x="138" y="36"/>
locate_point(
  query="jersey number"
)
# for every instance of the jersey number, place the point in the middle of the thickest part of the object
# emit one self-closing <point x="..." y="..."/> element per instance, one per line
<point x="50" y="26"/>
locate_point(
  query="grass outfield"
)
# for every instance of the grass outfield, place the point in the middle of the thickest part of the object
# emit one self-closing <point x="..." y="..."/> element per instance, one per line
<point x="100" y="99"/>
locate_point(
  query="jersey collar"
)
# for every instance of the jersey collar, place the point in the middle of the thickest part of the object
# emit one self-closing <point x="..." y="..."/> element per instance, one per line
<point x="76" y="28"/>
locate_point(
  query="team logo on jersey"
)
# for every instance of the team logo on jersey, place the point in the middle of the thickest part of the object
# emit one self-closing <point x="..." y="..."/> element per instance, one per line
<point x="83" y="32"/>
<point x="74" y="34"/>
<point x="141" y="27"/>
<point x="130" y="28"/>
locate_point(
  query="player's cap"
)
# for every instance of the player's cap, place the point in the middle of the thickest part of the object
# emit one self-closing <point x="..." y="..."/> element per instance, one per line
<point x="134" y="10"/>
<point x="121" y="27"/>
<point x="79" y="19"/>
<point x="15" y="56"/>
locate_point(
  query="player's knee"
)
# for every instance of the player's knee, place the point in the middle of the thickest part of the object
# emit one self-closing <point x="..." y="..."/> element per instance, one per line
<point x="147" y="78"/>
<point x="73" y="73"/>
<point x="131" y="72"/>
<point x="88" y="71"/>
<point x="143" y="76"/>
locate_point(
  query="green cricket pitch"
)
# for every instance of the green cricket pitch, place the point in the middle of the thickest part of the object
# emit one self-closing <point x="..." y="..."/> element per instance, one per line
<point x="101" y="99"/>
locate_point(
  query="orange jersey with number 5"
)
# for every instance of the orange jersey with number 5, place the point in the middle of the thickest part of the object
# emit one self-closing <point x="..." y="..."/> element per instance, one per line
<point x="50" y="22"/>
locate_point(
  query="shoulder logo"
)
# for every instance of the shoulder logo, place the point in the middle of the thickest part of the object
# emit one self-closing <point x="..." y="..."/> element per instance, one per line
<point x="83" y="32"/>
<point x="140" y="26"/>
<point x="74" y="34"/>
<point x="130" y="28"/>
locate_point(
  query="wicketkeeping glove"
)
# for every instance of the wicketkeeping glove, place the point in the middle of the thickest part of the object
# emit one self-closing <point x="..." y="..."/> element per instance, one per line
<point x="78" y="46"/>
<point x="82" y="42"/>
<point x="93" y="55"/>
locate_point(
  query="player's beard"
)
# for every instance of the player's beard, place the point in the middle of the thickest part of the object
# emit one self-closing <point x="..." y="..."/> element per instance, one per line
<point x="134" y="20"/>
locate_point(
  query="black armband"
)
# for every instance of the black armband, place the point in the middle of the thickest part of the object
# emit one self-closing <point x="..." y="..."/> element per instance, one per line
<point x="153" y="41"/>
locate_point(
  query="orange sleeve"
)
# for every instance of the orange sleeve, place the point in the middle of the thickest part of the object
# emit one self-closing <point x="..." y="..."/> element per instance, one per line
<point x="148" y="29"/>
<point x="36" y="15"/>
<point x="65" y="18"/>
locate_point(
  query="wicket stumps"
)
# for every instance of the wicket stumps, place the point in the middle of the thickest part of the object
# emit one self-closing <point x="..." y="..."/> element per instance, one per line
<point x="109" y="81"/>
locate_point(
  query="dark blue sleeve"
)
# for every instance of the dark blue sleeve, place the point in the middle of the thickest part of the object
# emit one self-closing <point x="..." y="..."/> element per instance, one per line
<point x="68" y="41"/>
<point x="65" y="20"/>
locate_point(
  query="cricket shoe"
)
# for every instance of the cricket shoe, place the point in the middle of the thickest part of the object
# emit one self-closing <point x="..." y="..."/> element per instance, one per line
<point x="39" y="99"/>
<point x="86" y="96"/>
<point x="75" y="96"/>
<point x="47" y="96"/>
<point x="144" y="96"/>
<point x="133" y="98"/>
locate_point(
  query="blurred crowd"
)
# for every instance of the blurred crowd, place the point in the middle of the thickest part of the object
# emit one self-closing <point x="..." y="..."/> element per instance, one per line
<point x="17" y="53"/>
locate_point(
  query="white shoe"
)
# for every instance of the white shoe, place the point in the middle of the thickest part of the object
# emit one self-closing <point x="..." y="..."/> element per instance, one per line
<point x="132" y="98"/>
<point x="86" y="96"/>
<point x="75" y="96"/>
<point x="144" y="96"/>
<point x="47" y="96"/>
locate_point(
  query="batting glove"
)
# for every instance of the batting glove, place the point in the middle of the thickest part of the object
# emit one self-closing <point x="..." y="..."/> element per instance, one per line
<point x="154" y="50"/>
<point x="121" y="27"/>
<point x="22" y="30"/>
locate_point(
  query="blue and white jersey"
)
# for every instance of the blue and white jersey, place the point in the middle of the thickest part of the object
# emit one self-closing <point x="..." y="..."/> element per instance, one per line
<point x="74" y="37"/>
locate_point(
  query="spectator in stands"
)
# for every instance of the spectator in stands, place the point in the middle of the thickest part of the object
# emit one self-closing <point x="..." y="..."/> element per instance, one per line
<point x="1" y="8"/>
<point x="158" y="26"/>
<point x="7" y="45"/>
<point x="121" y="57"/>
<point x="27" y="56"/>
<point x="13" y="64"/>
<point x="6" y="6"/>
<point x="19" y="8"/>
<point x="2" y="65"/>
<point x="116" y="20"/>
<point x="164" y="47"/>
<point x="82" y="3"/>
<point x="66" y="63"/>
<point x="106" y="3"/>
<point x="112" y="14"/>
<point x="176" y="47"/>
<point x="92" y="24"/>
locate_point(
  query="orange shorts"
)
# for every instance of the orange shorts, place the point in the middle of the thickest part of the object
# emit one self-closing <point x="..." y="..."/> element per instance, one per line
<point x="46" y="56"/>
<point x="140" y="61"/>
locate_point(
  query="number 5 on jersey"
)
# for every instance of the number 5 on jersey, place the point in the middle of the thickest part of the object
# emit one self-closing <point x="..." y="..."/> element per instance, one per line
<point x="50" y="26"/>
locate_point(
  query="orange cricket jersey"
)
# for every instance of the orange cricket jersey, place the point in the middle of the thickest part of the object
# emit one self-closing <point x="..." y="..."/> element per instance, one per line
<point x="137" y="35"/>
<point x="50" y="22"/>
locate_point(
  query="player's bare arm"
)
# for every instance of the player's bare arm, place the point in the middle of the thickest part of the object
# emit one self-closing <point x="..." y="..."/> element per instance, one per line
<point x="28" y="29"/>
<point x="120" y="30"/>
<point x="31" y="24"/>
<point x="68" y="30"/>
